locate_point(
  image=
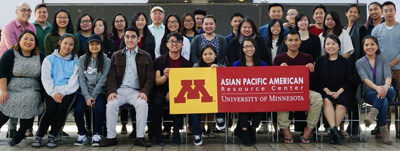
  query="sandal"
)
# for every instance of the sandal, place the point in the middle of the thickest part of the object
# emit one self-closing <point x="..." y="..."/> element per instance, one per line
<point x="305" y="140"/>
<point x="288" y="140"/>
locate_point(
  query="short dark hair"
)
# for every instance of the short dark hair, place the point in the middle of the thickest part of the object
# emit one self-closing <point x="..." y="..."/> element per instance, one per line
<point x="292" y="32"/>
<point x="178" y="36"/>
<point x="299" y="17"/>
<point x="319" y="6"/>
<point x="134" y="29"/>
<point x="210" y="16"/>
<point x="78" y="22"/>
<point x="353" y="5"/>
<point x="237" y="14"/>
<point x="389" y="3"/>
<point x="200" y="12"/>
<point x="274" y="5"/>
<point x="40" y="6"/>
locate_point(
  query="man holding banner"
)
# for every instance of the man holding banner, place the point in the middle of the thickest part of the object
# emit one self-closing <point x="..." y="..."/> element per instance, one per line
<point x="294" y="57"/>
<point x="162" y="65"/>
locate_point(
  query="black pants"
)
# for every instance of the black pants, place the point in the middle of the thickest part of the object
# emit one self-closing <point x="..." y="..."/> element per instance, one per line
<point x="55" y="115"/>
<point x="245" y="117"/>
<point x="24" y="125"/>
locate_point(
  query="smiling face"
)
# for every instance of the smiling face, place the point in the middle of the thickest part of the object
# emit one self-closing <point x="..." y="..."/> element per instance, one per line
<point x="331" y="47"/>
<point x="375" y="11"/>
<point x="352" y="14"/>
<point x="86" y="23"/>
<point x="157" y="17"/>
<point x="370" y="47"/>
<point x="188" y="22"/>
<point x="41" y="15"/>
<point x="173" y="24"/>
<point x="174" y="45"/>
<point x="291" y="15"/>
<point x="131" y="39"/>
<point x="99" y="27"/>
<point x="248" y="48"/>
<point x="94" y="47"/>
<point x="140" y="22"/>
<point x="235" y="22"/>
<point x="23" y="12"/>
<point x="319" y="15"/>
<point x="209" y="25"/>
<point x="246" y="29"/>
<point x="303" y="23"/>
<point x="209" y="56"/>
<point x="329" y="22"/>
<point x="276" y="29"/>
<point x="27" y="42"/>
<point x="275" y="12"/>
<point x="120" y="23"/>
<point x="62" y="20"/>
<point x="293" y="42"/>
<point x="66" y="46"/>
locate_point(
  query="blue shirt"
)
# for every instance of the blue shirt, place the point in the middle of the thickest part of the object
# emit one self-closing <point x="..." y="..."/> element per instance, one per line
<point x="229" y="38"/>
<point x="264" y="31"/>
<point x="237" y="63"/>
<point x="83" y="44"/>
<point x="389" y="40"/>
<point x="131" y="78"/>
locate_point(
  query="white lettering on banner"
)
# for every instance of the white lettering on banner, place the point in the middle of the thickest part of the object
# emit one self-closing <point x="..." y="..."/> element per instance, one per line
<point x="286" y="80"/>
<point x="274" y="98"/>
<point x="228" y="82"/>
<point x="239" y="99"/>
<point x="255" y="81"/>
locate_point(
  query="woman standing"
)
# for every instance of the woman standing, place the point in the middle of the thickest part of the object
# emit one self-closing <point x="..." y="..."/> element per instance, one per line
<point x="275" y="42"/>
<point x="374" y="71"/>
<point x="375" y="16"/>
<point x="189" y="28"/>
<point x="100" y="28"/>
<point x="248" y="58"/>
<point x="60" y="80"/>
<point x="20" y="83"/>
<point x="118" y="30"/>
<point x="310" y="43"/>
<point x="333" y="77"/>
<point x="93" y="71"/>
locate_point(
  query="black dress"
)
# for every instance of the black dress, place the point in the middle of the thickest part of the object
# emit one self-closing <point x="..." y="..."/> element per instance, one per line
<point x="333" y="74"/>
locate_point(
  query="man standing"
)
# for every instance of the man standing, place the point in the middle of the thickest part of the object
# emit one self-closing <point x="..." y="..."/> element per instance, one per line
<point x="236" y="18"/>
<point x="12" y="30"/>
<point x="157" y="27"/>
<point x="199" y="15"/>
<point x="130" y="80"/>
<point x="43" y="27"/>
<point x="275" y="11"/>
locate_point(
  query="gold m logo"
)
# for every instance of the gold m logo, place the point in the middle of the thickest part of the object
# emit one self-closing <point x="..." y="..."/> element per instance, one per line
<point x="193" y="93"/>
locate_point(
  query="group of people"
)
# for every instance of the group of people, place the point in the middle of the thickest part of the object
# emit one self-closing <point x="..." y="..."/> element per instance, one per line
<point x="48" y="69"/>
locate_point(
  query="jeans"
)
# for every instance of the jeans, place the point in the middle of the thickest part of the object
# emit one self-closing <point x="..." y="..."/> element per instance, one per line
<point x="99" y="112"/>
<point x="380" y="104"/>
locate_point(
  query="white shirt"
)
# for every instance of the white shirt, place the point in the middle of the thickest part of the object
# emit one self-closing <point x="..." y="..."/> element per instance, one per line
<point x="346" y="44"/>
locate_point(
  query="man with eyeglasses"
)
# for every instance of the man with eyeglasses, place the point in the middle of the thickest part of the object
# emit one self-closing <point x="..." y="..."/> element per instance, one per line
<point x="12" y="30"/>
<point x="130" y="79"/>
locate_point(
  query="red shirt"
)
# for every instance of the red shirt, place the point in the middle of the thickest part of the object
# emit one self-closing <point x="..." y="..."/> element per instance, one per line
<point x="315" y="31"/>
<point x="174" y="63"/>
<point x="140" y="42"/>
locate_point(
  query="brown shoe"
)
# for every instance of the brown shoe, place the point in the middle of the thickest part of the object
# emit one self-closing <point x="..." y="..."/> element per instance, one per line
<point x="123" y="129"/>
<point x="385" y="135"/>
<point x="109" y="142"/>
<point x="29" y="133"/>
<point x="142" y="142"/>
<point x="371" y="117"/>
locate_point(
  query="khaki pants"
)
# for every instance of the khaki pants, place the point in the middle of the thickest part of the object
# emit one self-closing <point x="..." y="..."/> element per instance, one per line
<point x="312" y="116"/>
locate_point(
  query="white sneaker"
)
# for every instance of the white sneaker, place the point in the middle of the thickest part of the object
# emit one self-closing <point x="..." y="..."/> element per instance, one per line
<point x="81" y="140"/>
<point x="197" y="140"/>
<point x="96" y="139"/>
<point x="220" y="124"/>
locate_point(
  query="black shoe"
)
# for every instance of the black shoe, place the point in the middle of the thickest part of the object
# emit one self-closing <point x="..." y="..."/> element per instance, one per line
<point x="142" y="142"/>
<point x="336" y="135"/>
<point x="15" y="141"/>
<point x="245" y="137"/>
<point x="332" y="138"/>
<point x="176" y="139"/>
<point x="132" y="134"/>
<point x="64" y="135"/>
<point x="159" y="142"/>
<point x="252" y="135"/>
<point x="109" y="142"/>
<point x="11" y="134"/>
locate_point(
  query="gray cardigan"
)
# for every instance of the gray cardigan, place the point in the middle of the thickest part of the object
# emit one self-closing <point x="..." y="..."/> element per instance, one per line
<point x="382" y="70"/>
<point x="91" y="82"/>
<point x="195" y="49"/>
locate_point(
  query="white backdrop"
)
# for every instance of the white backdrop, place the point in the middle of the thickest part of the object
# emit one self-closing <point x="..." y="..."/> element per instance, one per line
<point x="7" y="10"/>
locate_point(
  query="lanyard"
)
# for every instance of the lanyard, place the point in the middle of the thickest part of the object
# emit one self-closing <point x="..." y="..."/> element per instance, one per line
<point x="372" y="69"/>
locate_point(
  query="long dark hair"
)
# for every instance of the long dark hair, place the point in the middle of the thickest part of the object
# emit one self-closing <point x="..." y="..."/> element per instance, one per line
<point x="256" y="58"/>
<point x="298" y="18"/>
<point x="145" y="28"/>
<point x="337" y="30"/>
<point x="183" y="29"/>
<point x="35" y="50"/>
<point x="163" y="45"/>
<point x="99" y="59"/>
<point x="114" y="30"/>
<point x="70" y="26"/>
<point x="105" y="43"/>
<point x="369" y="18"/>
<point x="281" y="35"/>
<point x="201" y="61"/>
<point x="252" y="24"/>
<point x="78" y="22"/>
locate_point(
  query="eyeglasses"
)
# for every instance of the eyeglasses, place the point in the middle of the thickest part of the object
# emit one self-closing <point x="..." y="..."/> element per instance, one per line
<point x="119" y="21"/>
<point x="189" y="20"/>
<point x="85" y="21"/>
<point x="248" y="46"/>
<point x="25" y="10"/>
<point x="172" y="22"/>
<point x="62" y="17"/>
<point x="174" y="41"/>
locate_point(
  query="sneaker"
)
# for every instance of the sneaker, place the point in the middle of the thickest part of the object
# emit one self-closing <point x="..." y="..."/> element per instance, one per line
<point x="37" y="143"/>
<point x="96" y="140"/>
<point x="51" y="142"/>
<point x="197" y="140"/>
<point x="220" y="123"/>
<point x="81" y="140"/>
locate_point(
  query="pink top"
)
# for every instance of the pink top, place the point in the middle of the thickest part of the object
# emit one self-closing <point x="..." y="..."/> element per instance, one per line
<point x="11" y="32"/>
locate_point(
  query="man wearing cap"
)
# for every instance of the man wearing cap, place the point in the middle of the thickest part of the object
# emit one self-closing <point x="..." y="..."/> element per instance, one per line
<point x="157" y="16"/>
<point x="12" y="30"/>
<point x="130" y="80"/>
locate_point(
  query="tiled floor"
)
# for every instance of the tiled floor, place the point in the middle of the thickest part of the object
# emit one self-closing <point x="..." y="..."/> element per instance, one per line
<point x="264" y="142"/>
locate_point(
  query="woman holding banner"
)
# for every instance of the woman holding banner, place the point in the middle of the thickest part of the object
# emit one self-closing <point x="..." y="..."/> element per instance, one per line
<point x="333" y="76"/>
<point x="248" y="57"/>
